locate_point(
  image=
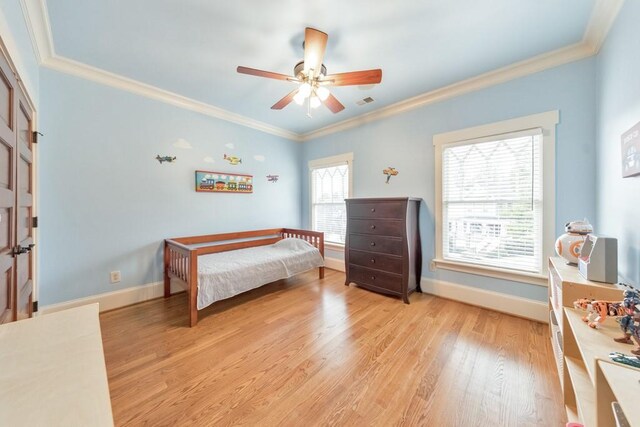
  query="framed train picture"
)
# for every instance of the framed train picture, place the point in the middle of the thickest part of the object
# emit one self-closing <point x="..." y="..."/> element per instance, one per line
<point x="222" y="182"/>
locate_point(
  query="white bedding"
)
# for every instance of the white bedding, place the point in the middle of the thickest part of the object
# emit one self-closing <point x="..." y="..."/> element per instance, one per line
<point x="226" y="274"/>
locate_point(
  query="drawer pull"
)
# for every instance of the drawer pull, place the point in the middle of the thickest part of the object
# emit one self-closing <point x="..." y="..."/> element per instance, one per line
<point x="373" y="277"/>
<point x="373" y="261"/>
<point x="373" y="209"/>
<point x="373" y="243"/>
<point x="373" y="227"/>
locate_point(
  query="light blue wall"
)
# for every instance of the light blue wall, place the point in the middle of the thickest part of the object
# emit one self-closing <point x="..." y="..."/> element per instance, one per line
<point x="13" y="26"/>
<point x="107" y="204"/>
<point x="405" y="142"/>
<point x="618" y="71"/>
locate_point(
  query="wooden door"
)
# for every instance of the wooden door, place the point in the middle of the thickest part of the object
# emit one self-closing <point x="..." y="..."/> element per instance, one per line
<point x="24" y="209"/>
<point x="16" y="198"/>
<point x="8" y="142"/>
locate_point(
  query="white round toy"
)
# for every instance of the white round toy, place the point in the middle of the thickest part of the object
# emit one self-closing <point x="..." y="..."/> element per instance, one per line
<point x="569" y="244"/>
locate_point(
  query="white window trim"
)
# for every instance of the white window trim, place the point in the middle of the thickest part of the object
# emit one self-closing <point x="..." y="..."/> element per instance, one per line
<point x="547" y="122"/>
<point x="326" y="162"/>
<point x="336" y="247"/>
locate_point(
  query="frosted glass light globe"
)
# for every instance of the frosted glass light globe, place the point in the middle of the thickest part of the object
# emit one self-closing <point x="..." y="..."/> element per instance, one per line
<point x="299" y="98"/>
<point x="305" y="89"/>
<point x="323" y="93"/>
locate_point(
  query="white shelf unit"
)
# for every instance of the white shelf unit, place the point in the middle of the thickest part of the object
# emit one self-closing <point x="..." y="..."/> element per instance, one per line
<point x="585" y="348"/>
<point x="576" y="346"/>
<point x="617" y="383"/>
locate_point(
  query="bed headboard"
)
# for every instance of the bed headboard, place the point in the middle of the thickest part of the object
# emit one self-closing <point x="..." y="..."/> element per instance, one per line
<point x="316" y="238"/>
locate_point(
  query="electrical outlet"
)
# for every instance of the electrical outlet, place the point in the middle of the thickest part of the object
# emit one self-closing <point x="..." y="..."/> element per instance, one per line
<point x="115" y="276"/>
<point x="432" y="266"/>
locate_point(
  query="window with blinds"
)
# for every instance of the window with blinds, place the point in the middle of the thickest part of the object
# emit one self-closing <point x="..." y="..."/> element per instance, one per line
<point x="492" y="207"/>
<point x="330" y="185"/>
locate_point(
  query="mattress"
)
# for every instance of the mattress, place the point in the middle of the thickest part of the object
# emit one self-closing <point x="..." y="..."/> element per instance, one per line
<point x="225" y="274"/>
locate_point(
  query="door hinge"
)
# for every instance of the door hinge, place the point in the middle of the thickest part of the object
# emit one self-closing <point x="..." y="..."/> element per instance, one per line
<point x="34" y="222"/>
<point x="35" y="306"/>
<point x="36" y="134"/>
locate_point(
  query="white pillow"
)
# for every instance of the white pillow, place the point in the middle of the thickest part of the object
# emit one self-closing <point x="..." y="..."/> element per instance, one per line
<point x="294" y="244"/>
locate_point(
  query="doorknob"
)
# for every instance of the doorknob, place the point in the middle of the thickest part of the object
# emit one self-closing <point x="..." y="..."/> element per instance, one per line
<point x="19" y="250"/>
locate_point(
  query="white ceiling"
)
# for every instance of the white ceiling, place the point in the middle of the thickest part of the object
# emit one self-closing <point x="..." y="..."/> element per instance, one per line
<point x="192" y="47"/>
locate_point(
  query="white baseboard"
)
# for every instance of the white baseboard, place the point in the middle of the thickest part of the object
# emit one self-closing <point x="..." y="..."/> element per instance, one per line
<point x="517" y="306"/>
<point x="504" y="303"/>
<point x="115" y="299"/>
<point x="334" y="264"/>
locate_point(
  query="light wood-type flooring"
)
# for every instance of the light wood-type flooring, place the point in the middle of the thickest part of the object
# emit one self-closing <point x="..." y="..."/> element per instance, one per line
<point x="305" y="352"/>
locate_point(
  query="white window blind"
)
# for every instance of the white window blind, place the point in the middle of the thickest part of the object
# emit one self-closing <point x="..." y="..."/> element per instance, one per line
<point x="492" y="208"/>
<point x="329" y="187"/>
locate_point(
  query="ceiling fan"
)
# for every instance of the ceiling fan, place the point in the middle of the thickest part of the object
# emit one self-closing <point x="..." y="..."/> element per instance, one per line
<point x="312" y="79"/>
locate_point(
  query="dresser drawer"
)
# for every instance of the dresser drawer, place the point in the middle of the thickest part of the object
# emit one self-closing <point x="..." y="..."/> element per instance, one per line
<point x="377" y="210"/>
<point x="382" y="244"/>
<point x="378" y="279"/>
<point x="377" y="226"/>
<point x="390" y="263"/>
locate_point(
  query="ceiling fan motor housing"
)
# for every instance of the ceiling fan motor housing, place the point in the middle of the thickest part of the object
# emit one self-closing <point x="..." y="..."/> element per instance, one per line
<point x="299" y="68"/>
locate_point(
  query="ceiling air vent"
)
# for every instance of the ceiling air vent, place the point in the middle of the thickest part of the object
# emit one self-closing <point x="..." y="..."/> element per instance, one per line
<point x="367" y="100"/>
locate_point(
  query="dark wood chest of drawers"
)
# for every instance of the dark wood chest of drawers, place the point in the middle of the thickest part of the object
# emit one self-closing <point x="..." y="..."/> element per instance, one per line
<point x="382" y="248"/>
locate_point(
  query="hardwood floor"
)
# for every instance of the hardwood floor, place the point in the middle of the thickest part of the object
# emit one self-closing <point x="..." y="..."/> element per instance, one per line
<point x="305" y="352"/>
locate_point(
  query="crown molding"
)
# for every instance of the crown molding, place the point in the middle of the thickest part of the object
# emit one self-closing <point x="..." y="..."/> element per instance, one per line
<point x="602" y="17"/>
<point x="69" y="66"/>
<point x="519" y="69"/>
<point x="39" y="28"/>
<point x="9" y="48"/>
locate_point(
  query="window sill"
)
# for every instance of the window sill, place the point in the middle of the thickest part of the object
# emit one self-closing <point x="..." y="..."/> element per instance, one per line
<point x="498" y="273"/>
<point x="334" y="247"/>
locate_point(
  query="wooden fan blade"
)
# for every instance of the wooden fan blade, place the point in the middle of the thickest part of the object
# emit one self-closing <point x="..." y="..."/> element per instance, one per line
<point x="267" y="74"/>
<point x="367" y="77"/>
<point x="285" y="101"/>
<point x="333" y="104"/>
<point x="315" y="43"/>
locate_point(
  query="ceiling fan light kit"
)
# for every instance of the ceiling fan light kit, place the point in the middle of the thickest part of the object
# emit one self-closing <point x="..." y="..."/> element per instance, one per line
<point x="312" y="79"/>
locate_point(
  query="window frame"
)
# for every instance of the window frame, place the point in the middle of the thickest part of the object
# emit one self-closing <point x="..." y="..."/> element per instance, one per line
<point x="327" y="162"/>
<point x="547" y="123"/>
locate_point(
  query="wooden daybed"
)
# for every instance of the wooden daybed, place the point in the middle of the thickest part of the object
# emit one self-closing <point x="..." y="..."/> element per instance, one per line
<point x="181" y="255"/>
